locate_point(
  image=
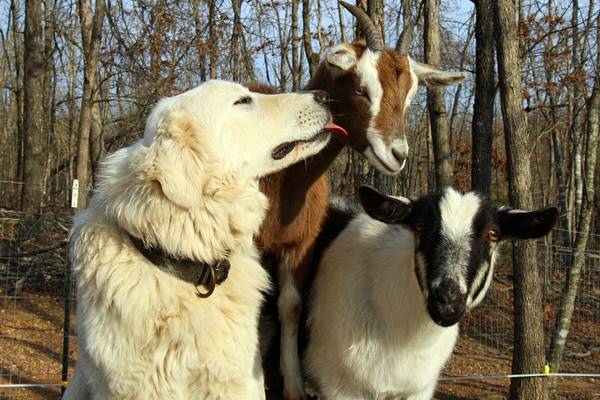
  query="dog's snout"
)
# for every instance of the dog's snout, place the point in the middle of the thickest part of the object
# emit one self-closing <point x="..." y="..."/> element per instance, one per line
<point x="321" y="96"/>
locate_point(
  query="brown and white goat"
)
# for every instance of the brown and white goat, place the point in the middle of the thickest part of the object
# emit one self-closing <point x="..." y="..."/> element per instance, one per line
<point x="370" y="88"/>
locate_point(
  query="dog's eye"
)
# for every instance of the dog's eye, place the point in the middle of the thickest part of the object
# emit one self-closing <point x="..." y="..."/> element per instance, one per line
<point x="243" y="100"/>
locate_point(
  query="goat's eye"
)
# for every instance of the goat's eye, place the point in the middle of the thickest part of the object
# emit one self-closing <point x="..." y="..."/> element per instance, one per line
<point x="362" y="91"/>
<point x="243" y="100"/>
<point x="492" y="235"/>
<point x="419" y="227"/>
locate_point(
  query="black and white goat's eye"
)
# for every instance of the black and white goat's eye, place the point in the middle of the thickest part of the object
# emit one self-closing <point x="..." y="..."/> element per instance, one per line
<point x="243" y="100"/>
<point x="492" y="235"/>
<point x="419" y="226"/>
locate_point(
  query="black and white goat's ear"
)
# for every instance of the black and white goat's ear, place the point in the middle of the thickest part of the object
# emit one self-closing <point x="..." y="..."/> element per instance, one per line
<point x="391" y="210"/>
<point x="433" y="77"/>
<point x="517" y="224"/>
<point x="176" y="160"/>
<point x="341" y="57"/>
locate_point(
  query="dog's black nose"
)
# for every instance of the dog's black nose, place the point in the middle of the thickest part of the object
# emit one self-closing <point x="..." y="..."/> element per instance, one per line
<point x="321" y="96"/>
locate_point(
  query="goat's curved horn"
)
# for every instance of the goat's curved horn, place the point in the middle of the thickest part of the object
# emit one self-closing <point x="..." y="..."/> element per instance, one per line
<point x="373" y="35"/>
<point x="405" y="39"/>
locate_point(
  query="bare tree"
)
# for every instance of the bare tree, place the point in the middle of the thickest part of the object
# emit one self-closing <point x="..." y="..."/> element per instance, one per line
<point x="438" y="117"/>
<point x="482" y="129"/>
<point x="342" y="23"/>
<point x="296" y="71"/>
<point x="91" y="34"/>
<point x="35" y="152"/>
<point x="567" y="301"/>
<point x="198" y="40"/>
<point x="528" y="353"/>
<point x="312" y="57"/>
<point x="375" y="11"/>
<point x="18" y="83"/>
<point x="235" y="65"/>
<point x="212" y="38"/>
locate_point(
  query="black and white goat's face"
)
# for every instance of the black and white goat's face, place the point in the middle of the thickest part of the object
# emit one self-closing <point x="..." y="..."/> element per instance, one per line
<point x="457" y="238"/>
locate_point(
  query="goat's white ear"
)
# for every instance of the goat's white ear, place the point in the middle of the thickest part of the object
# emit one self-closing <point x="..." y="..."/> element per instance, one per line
<point x="433" y="77"/>
<point x="177" y="166"/>
<point x="388" y="209"/>
<point x="341" y="57"/>
<point x="518" y="224"/>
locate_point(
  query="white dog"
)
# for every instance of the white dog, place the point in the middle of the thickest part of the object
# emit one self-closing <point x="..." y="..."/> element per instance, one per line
<point x="177" y="204"/>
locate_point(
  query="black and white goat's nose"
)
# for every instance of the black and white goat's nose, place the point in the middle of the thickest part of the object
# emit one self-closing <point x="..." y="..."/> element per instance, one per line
<point x="446" y="304"/>
<point x="321" y="96"/>
<point x="447" y="293"/>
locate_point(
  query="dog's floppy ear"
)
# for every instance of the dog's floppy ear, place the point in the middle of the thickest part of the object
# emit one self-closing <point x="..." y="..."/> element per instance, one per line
<point x="177" y="160"/>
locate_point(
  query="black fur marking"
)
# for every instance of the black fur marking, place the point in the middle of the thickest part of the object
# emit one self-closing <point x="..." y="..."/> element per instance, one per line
<point x="481" y="251"/>
<point x="526" y="225"/>
<point x="339" y="215"/>
<point x="381" y="207"/>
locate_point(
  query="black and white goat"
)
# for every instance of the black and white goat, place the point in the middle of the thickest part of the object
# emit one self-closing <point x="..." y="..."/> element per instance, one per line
<point x="393" y="285"/>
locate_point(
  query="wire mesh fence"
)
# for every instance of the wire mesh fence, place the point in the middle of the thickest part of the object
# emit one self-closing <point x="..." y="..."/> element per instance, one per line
<point x="32" y="297"/>
<point x="34" y="288"/>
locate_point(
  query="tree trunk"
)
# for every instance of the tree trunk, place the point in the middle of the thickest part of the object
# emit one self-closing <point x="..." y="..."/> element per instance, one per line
<point x="235" y="65"/>
<point x="311" y="56"/>
<point x="528" y="355"/>
<point x="213" y="41"/>
<point x="157" y="39"/>
<point x="295" y="40"/>
<point x="575" y="125"/>
<point x="375" y="12"/>
<point x="91" y="34"/>
<point x="482" y="128"/>
<point x="36" y="151"/>
<point x="96" y="134"/>
<point x="438" y="117"/>
<point x="342" y="23"/>
<point x="7" y="144"/>
<point x="283" y="49"/>
<point x="199" y="40"/>
<point x="49" y="95"/>
<point x="18" y="85"/>
<point x="567" y="301"/>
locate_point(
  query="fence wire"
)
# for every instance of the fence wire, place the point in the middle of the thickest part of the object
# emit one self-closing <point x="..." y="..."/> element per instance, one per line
<point x="33" y="291"/>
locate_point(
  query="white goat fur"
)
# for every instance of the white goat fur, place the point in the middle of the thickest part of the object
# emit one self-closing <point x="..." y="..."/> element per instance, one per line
<point x="371" y="335"/>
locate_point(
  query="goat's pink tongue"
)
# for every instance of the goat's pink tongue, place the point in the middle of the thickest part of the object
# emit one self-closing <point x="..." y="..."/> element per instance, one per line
<point x="335" y="128"/>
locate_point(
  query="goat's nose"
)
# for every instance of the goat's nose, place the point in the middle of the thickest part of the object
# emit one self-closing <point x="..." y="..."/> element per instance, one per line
<point x="400" y="154"/>
<point x="321" y="96"/>
<point x="447" y="293"/>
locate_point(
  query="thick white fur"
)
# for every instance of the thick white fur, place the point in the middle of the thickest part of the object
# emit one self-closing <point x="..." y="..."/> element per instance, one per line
<point x="370" y="334"/>
<point x="190" y="187"/>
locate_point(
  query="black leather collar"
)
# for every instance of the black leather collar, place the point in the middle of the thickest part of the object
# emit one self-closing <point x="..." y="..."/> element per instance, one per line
<point x="188" y="270"/>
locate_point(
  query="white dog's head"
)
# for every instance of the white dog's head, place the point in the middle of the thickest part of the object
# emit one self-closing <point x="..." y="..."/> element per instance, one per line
<point x="221" y="130"/>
